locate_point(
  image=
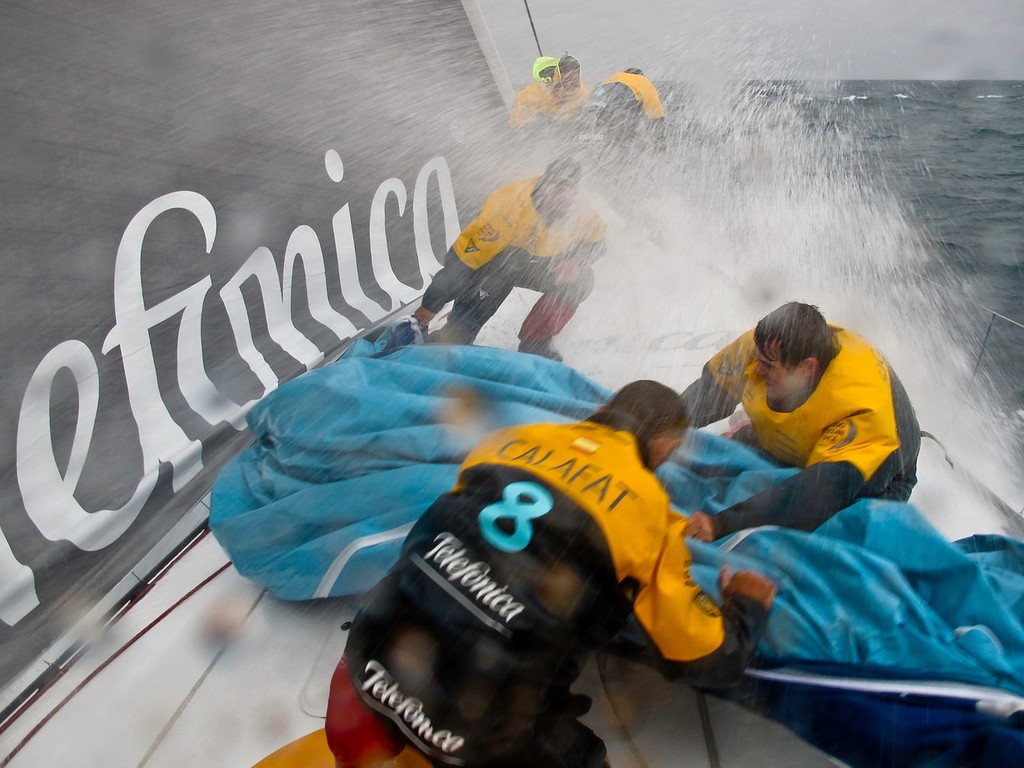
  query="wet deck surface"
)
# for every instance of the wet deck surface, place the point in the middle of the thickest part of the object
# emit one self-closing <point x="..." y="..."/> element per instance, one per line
<point x="232" y="674"/>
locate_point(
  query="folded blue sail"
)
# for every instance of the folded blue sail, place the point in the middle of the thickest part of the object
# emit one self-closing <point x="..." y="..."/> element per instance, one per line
<point x="348" y="456"/>
<point x="348" y="453"/>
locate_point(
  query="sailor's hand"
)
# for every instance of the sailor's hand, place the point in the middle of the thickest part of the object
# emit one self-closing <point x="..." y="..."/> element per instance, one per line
<point x="700" y="526"/>
<point x="565" y="270"/>
<point x="423" y="317"/>
<point x="749" y="584"/>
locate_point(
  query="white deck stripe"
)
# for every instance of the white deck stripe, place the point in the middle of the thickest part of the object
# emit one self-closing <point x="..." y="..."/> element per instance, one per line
<point x="332" y="574"/>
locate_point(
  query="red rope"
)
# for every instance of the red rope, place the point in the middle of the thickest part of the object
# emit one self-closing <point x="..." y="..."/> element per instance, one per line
<point x="92" y="675"/>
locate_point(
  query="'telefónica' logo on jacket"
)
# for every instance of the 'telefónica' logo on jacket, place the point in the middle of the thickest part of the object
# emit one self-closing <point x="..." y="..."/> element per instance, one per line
<point x="448" y="560"/>
<point x="383" y="688"/>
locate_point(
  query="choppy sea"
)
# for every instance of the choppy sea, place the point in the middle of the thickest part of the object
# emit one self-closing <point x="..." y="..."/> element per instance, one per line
<point x="955" y="151"/>
<point x="896" y="206"/>
<point x="952" y="154"/>
<point x="958" y="150"/>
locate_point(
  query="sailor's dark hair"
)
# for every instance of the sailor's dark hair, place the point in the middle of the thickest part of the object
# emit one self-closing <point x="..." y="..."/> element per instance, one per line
<point x="615" y="101"/>
<point x="801" y="332"/>
<point x="568" y="61"/>
<point x="647" y="409"/>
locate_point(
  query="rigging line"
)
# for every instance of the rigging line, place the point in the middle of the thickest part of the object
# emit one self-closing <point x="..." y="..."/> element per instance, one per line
<point x="61" y="665"/>
<point x="709" y="731"/>
<point x="195" y="689"/>
<point x="993" y="316"/>
<point x="984" y="344"/>
<point x="602" y="662"/>
<point x="530" y="17"/>
<point x="980" y="306"/>
<point x="1012" y="518"/>
<point x="974" y="372"/>
<point x="107" y="662"/>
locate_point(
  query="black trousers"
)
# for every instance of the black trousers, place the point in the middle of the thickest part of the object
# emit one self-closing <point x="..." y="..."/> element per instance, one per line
<point x="484" y="290"/>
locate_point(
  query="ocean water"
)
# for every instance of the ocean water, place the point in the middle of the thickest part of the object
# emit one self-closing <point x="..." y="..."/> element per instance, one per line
<point x="916" y="189"/>
<point x="953" y="153"/>
<point x="896" y="207"/>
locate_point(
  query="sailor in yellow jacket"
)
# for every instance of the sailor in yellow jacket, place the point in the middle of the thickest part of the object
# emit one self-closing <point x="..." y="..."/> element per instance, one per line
<point x="556" y="94"/>
<point x="819" y="398"/>
<point x="553" y="535"/>
<point x="626" y="110"/>
<point x="536" y="233"/>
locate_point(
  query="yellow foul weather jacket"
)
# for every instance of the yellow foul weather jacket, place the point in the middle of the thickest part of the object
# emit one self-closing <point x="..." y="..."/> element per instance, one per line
<point x="509" y="219"/>
<point x="552" y="535"/>
<point x="540" y="101"/>
<point x="855" y="436"/>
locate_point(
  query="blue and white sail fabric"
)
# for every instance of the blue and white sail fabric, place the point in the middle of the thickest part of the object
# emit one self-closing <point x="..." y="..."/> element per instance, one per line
<point x="348" y="456"/>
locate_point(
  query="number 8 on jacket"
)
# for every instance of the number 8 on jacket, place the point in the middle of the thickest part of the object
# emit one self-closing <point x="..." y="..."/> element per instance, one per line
<point x="520" y="502"/>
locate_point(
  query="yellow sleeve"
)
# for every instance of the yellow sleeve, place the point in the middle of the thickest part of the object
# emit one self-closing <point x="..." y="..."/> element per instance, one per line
<point x="864" y="430"/>
<point x="527" y="107"/>
<point x="490" y="232"/>
<point x="729" y="365"/>
<point x="681" y="620"/>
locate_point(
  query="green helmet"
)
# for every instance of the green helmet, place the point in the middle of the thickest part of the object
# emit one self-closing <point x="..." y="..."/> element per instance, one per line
<point x="544" y="69"/>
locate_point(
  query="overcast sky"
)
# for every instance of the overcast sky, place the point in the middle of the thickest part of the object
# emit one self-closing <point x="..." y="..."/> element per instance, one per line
<point x="820" y="39"/>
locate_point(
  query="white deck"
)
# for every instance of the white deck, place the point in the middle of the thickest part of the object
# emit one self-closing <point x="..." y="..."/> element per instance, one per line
<point x="182" y="695"/>
<point x="231" y="674"/>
